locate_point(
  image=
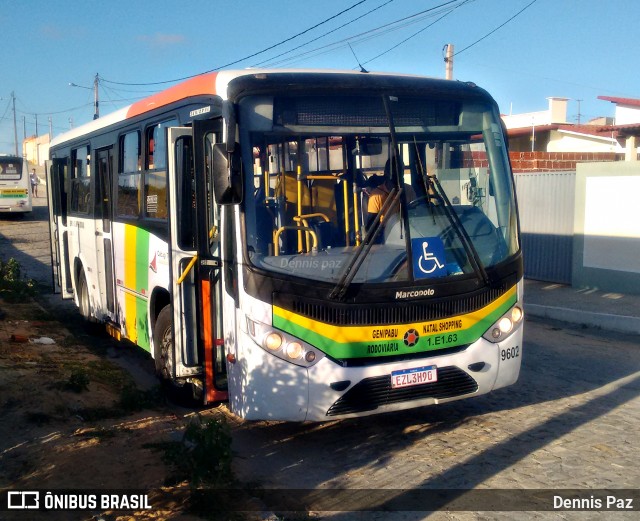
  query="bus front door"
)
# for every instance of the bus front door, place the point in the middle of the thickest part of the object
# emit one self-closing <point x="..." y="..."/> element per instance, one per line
<point x="206" y="134"/>
<point x="57" y="197"/>
<point x="193" y="286"/>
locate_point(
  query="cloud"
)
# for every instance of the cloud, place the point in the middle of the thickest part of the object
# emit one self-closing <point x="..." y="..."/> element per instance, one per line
<point x="159" y="40"/>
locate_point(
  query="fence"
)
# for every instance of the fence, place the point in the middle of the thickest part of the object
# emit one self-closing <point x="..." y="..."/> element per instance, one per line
<point x="581" y="227"/>
<point x="546" y="204"/>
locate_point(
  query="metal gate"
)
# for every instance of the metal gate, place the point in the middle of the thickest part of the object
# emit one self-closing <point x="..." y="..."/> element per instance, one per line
<point x="546" y="203"/>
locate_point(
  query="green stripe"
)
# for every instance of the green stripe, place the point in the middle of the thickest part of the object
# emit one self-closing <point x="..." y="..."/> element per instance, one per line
<point x="141" y="324"/>
<point x="142" y="261"/>
<point x="142" y="287"/>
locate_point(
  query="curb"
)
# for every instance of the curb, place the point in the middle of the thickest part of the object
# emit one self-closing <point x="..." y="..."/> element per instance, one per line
<point x="619" y="323"/>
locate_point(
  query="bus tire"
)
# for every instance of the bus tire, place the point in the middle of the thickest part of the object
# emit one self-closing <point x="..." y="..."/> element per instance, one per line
<point x="83" y="298"/>
<point x="163" y="345"/>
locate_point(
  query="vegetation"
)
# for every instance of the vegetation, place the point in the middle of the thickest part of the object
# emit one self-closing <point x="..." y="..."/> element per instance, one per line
<point x="78" y="381"/>
<point x="13" y="287"/>
<point x="203" y="456"/>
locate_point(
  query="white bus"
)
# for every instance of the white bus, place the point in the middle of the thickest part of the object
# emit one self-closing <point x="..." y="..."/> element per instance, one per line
<point x="224" y="225"/>
<point x="15" y="189"/>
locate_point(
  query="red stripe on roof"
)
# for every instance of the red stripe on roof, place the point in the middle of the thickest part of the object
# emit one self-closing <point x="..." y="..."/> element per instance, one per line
<point x="203" y="84"/>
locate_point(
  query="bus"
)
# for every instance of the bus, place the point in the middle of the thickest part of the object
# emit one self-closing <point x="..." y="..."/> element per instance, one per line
<point x="15" y="190"/>
<point x="224" y="226"/>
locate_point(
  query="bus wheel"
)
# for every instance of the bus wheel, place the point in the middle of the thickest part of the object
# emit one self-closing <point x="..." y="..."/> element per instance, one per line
<point x="83" y="297"/>
<point x="163" y="344"/>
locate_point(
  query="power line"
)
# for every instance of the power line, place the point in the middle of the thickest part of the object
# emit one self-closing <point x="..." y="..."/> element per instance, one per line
<point x="324" y="35"/>
<point x="6" y="110"/>
<point x="499" y="27"/>
<point x="417" y="32"/>
<point x="108" y="91"/>
<point x="246" y="57"/>
<point x="371" y="33"/>
<point x="54" y="113"/>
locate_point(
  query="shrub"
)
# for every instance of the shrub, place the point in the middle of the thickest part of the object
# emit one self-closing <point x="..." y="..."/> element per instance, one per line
<point x="13" y="287"/>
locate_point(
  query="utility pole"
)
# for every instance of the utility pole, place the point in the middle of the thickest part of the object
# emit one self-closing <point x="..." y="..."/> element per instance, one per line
<point x="579" y="115"/>
<point x="96" y="110"/>
<point x="96" y="103"/>
<point x="448" y="60"/>
<point x="533" y="135"/>
<point x="50" y="128"/>
<point x="15" y="124"/>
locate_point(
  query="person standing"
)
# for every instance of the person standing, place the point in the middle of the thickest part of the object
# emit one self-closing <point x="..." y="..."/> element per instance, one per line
<point x="34" y="182"/>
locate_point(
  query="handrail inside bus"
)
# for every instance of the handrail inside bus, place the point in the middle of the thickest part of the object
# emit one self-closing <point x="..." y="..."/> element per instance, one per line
<point x="305" y="221"/>
<point x="301" y="228"/>
<point x="305" y="217"/>
<point x="187" y="270"/>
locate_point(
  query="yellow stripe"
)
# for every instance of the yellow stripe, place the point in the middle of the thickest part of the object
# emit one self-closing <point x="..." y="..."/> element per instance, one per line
<point x="130" y="301"/>
<point x="348" y="334"/>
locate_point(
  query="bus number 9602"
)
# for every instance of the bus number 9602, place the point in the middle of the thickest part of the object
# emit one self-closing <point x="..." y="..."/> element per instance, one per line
<point x="510" y="353"/>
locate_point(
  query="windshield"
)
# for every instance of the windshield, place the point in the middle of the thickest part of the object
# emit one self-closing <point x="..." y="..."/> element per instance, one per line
<point x="331" y="195"/>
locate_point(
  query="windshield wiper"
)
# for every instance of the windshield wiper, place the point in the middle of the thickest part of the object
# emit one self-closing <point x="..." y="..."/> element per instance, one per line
<point x="361" y="253"/>
<point x="340" y="289"/>
<point x="432" y="185"/>
<point x="454" y="220"/>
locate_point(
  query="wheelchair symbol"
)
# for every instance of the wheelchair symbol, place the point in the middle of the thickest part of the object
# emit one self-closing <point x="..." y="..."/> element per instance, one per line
<point x="428" y="262"/>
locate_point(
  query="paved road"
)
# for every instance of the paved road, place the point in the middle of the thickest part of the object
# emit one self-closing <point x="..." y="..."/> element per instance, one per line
<point x="26" y="238"/>
<point x="571" y="421"/>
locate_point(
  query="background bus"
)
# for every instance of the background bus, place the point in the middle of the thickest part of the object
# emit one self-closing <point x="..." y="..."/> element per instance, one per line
<point x="15" y="189"/>
<point x="224" y="226"/>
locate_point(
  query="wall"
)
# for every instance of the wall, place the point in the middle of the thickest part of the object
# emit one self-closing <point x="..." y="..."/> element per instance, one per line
<point x="582" y="227"/>
<point x="606" y="249"/>
<point x="627" y="114"/>
<point x="556" y="113"/>
<point x="36" y="149"/>
<point x="563" y="140"/>
<point x="556" y="161"/>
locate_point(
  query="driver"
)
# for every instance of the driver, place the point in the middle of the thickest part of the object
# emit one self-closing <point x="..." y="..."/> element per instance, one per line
<point x="378" y="189"/>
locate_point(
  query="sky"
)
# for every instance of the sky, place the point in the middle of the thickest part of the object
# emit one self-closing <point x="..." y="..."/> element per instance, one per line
<point x="521" y="51"/>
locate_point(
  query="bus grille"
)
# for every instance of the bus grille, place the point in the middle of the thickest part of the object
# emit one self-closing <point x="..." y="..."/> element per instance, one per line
<point x="371" y="393"/>
<point x="380" y="314"/>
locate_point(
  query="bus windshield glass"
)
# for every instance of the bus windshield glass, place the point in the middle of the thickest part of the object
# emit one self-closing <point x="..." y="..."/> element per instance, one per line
<point x="383" y="189"/>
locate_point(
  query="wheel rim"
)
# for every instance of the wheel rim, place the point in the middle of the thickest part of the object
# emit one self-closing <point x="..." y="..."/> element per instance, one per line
<point x="166" y="354"/>
<point x="84" y="298"/>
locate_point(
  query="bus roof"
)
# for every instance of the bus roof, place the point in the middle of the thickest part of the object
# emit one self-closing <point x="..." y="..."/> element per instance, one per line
<point x="212" y="84"/>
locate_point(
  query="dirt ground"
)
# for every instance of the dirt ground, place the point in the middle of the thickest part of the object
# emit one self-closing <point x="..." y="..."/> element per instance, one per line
<point x="72" y="418"/>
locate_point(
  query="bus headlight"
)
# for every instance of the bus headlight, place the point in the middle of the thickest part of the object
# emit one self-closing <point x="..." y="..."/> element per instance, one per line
<point x="272" y="341"/>
<point x="294" y="350"/>
<point x="283" y="345"/>
<point x="505" y="325"/>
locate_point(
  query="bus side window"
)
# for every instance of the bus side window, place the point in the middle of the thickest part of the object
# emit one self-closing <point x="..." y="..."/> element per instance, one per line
<point x="128" y="201"/>
<point x="186" y="195"/>
<point x="80" y="181"/>
<point x="155" y="177"/>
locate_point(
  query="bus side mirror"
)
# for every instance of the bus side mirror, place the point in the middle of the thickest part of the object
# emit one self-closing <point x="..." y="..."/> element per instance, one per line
<point x="229" y="116"/>
<point x="227" y="174"/>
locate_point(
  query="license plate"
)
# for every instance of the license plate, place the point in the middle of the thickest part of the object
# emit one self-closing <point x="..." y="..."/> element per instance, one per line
<point x="416" y="376"/>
